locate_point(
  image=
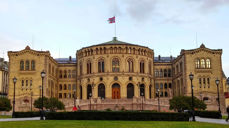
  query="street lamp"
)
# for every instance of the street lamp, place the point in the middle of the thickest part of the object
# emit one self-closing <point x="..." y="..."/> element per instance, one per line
<point x="42" y="99"/>
<point x="90" y="99"/>
<point x="191" y="76"/>
<point x="74" y="98"/>
<point x="31" y="101"/>
<point x="158" y="92"/>
<point x="40" y="90"/>
<point x="217" y="84"/>
<point x="142" y="99"/>
<point x="14" y="80"/>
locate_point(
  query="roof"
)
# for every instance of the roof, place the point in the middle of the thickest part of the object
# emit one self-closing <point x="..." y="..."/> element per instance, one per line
<point x="66" y="60"/>
<point x="3" y="65"/>
<point x="115" y="41"/>
<point x="163" y="59"/>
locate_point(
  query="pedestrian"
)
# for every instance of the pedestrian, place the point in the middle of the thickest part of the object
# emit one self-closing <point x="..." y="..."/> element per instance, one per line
<point x="227" y="113"/>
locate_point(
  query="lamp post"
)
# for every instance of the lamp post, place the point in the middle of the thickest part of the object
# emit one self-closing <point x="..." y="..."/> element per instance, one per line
<point x="74" y="98"/>
<point x="40" y="90"/>
<point x="90" y="99"/>
<point x="158" y="92"/>
<point x="14" y="80"/>
<point x="31" y="101"/>
<point x="191" y="76"/>
<point x="217" y="84"/>
<point x="42" y="100"/>
<point x="142" y="100"/>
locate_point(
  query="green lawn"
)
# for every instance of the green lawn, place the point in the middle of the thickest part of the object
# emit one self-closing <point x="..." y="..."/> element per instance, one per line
<point x="107" y="124"/>
<point x="2" y="117"/>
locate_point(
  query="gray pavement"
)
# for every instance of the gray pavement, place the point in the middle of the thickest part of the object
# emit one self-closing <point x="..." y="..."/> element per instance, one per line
<point x="20" y="119"/>
<point x="208" y="120"/>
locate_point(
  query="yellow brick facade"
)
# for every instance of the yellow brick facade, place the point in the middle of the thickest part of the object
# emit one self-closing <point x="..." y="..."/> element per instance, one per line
<point x="115" y="72"/>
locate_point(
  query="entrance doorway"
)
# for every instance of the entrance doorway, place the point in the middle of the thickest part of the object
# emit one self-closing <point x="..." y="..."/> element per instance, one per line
<point x="115" y="91"/>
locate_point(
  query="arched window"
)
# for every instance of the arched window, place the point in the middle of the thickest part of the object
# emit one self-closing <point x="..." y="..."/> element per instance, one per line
<point x="208" y="63"/>
<point x="65" y="74"/>
<point x="161" y="73"/>
<point x="169" y="73"/>
<point x="101" y="91"/>
<point x="69" y="73"/>
<point x="88" y="67"/>
<point x="60" y="87"/>
<point x="65" y="87"/>
<point x="202" y="62"/>
<point x="60" y="75"/>
<point x="165" y="86"/>
<point x="130" y="65"/>
<point x="130" y="90"/>
<point x="150" y="91"/>
<point x="156" y="73"/>
<point x="165" y="73"/>
<point x="197" y="63"/>
<point x="142" y="67"/>
<point x="27" y="65"/>
<point x="81" y="69"/>
<point x="22" y="83"/>
<point x="115" y="65"/>
<point x="21" y="65"/>
<point x="33" y="65"/>
<point x="101" y="66"/>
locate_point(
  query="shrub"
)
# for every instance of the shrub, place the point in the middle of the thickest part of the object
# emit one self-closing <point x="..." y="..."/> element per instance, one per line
<point x="5" y="104"/>
<point x="117" y="115"/>
<point x="26" y="114"/>
<point x="51" y="104"/>
<point x="181" y="103"/>
<point x="208" y="114"/>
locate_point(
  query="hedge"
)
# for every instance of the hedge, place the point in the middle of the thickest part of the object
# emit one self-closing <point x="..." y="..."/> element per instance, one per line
<point x="26" y="114"/>
<point x="118" y="115"/>
<point x="208" y="114"/>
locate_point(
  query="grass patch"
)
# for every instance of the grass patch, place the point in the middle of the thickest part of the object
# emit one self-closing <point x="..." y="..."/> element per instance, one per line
<point x="224" y="117"/>
<point x="5" y="116"/>
<point x="107" y="124"/>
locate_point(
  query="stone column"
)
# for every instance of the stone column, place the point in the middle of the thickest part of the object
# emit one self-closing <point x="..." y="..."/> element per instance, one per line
<point x="84" y="89"/>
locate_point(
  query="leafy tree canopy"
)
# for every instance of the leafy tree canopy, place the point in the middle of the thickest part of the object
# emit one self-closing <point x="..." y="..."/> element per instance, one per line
<point x="181" y="103"/>
<point x="51" y="104"/>
<point x="5" y="104"/>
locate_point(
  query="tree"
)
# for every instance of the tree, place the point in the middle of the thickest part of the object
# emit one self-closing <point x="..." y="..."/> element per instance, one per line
<point x="181" y="103"/>
<point x="54" y="104"/>
<point x="5" y="104"/>
<point x="38" y="103"/>
<point x="51" y="104"/>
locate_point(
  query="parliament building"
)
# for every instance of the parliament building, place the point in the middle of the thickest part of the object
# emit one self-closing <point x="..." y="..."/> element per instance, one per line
<point x="117" y="75"/>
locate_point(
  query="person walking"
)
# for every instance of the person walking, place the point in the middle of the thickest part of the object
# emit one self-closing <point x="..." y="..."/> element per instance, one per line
<point x="227" y="113"/>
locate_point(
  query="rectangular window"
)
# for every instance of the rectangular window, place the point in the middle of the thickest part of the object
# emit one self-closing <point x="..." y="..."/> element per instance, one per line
<point x="200" y="82"/>
<point x="69" y="86"/>
<point x="60" y="95"/>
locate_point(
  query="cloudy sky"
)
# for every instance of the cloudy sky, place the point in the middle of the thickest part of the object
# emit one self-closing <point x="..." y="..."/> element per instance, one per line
<point x="64" y="26"/>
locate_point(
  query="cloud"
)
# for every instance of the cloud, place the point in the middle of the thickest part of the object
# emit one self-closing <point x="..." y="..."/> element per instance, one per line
<point x="209" y="5"/>
<point x="140" y="9"/>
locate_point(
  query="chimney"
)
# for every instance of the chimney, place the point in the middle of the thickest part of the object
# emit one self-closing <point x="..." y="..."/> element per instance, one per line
<point x="159" y="57"/>
<point x="70" y="58"/>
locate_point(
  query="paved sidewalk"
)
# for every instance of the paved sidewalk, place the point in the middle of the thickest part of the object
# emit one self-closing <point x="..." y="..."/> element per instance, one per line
<point x="209" y="120"/>
<point x="20" y="119"/>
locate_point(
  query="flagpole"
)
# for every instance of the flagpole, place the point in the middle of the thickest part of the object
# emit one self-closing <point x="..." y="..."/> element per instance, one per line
<point x="115" y="27"/>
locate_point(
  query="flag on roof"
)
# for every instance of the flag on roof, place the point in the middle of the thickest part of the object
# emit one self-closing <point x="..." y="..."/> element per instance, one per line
<point x="111" y="20"/>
